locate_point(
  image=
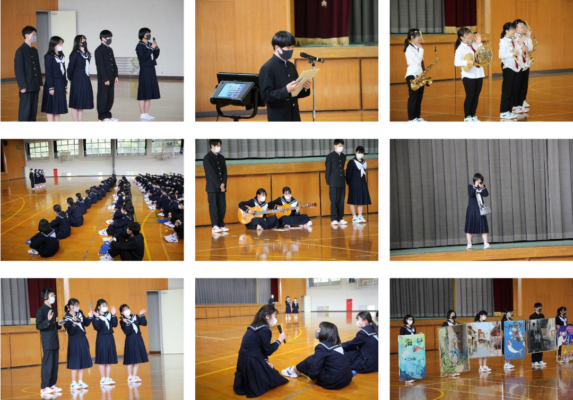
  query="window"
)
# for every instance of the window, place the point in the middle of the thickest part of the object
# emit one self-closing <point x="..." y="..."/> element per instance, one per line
<point x="38" y="151"/>
<point x="70" y="145"/>
<point x="131" y="147"/>
<point x="159" y="144"/>
<point x="97" y="147"/>
<point x="316" y="282"/>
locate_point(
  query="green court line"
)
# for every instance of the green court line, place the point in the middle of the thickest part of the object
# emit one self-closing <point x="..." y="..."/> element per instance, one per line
<point x="496" y="246"/>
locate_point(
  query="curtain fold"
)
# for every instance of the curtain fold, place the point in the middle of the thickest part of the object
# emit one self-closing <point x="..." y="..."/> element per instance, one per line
<point x="460" y="13"/>
<point x="426" y="15"/>
<point x="422" y="298"/>
<point x="322" y="22"/>
<point x="225" y="291"/>
<point x="35" y="287"/>
<point x="282" y="148"/>
<point x="363" y="21"/>
<point x="474" y="295"/>
<point x="502" y="294"/>
<point x="529" y="184"/>
<point x="15" y="308"/>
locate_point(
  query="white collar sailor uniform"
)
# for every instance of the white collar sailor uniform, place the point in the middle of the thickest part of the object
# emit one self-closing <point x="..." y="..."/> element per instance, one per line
<point x="264" y="205"/>
<point x="79" y="324"/>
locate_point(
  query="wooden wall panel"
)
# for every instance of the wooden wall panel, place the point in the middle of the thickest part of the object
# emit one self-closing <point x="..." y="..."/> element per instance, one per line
<point x="5" y="351"/>
<point x="552" y="293"/>
<point x="14" y="159"/>
<point x="15" y="16"/>
<point x="293" y="287"/>
<point x="25" y="349"/>
<point x="305" y="188"/>
<point x="369" y="82"/>
<point x="372" y="176"/>
<point x="200" y="313"/>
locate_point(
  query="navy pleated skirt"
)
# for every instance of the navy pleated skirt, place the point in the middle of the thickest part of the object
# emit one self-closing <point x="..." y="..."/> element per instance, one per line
<point x="56" y="103"/>
<point x="106" y="352"/>
<point x="148" y="86"/>
<point x="82" y="94"/>
<point x="79" y="356"/>
<point x="475" y="222"/>
<point x="254" y="377"/>
<point x="134" y="351"/>
<point x="358" y="193"/>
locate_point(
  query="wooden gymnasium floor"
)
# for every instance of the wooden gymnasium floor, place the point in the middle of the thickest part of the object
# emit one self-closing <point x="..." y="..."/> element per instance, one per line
<point x="306" y="116"/>
<point x="554" y="382"/>
<point x="323" y="243"/>
<point x="217" y="342"/>
<point x="162" y="379"/>
<point x="125" y="107"/>
<point x="22" y="209"/>
<point x="549" y="96"/>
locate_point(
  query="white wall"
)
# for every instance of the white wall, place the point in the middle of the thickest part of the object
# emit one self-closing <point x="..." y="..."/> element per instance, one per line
<point x="94" y="166"/>
<point x="172" y="325"/>
<point x="335" y="296"/>
<point x="175" y="283"/>
<point x="124" y="18"/>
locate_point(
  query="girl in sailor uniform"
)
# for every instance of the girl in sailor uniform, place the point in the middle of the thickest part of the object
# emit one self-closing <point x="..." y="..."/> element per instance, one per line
<point x="475" y="222"/>
<point x="328" y="365"/>
<point x="255" y="375"/>
<point x="509" y="52"/>
<point x="42" y="177"/>
<point x="119" y="225"/>
<point x="415" y="59"/>
<point x="80" y="203"/>
<point x="74" y="214"/>
<point x="287" y="307"/>
<point x="481" y="317"/>
<point x="106" y="353"/>
<point x="79" y="357"/>
<point x="358" y="195"/>
<point x="134" y="352"/>
<point x="147" y="54"/>
<point x="44" y="242"/>
<point x="295" y="217"/>
<point x="37" y="178"/>
<point x="61" y="224"/>
<point x="472" y="80"/>
<point x="56" y="84"/>
<point x="263" y="222"/>
<point x="295" y="306"/>
<point x="81" y="93"/>
<point x="408" y="329"/>
<point x="362" y="351"/>
<point x="451" y="319"/>
<point x="87" y="199"/>
<point x="506" y="317"/>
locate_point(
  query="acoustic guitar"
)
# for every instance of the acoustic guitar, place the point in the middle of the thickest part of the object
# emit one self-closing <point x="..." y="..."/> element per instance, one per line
<point x="286" y="209"/>
<point x="280" y="211"/>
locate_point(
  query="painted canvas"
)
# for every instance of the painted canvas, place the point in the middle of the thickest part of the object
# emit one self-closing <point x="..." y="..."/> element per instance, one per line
<point x="541" y="335"/>
<point x="484" y="339"/>
<point x="453" y="350"/>
<point x="412" y="357"/>
<point x="565" y="342"/>
<point x="514" y="340"/>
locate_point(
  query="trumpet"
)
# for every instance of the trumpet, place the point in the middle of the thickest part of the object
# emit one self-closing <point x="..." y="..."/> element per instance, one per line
<point x="483" y="56"/>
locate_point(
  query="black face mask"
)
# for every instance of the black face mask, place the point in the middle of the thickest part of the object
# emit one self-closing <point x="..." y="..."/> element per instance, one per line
<point x="84" y="44"/>
<point x="539" y="309"/>
<point x="454" y="317"/>
<point x="148" y="36"/>
<point x="287" y="54"/>
<point x="108" y="41"/>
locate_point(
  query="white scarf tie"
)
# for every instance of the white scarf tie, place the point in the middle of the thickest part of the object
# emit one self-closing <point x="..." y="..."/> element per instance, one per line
<point x="61" y="60"/>
<point x="106" y="319"/>
<point x="80" y="324"/>
<point x="478" y="196"/>
<point x="86" y="57"/>
<point x="132" y="322"/>
<point x="361" y="167"/>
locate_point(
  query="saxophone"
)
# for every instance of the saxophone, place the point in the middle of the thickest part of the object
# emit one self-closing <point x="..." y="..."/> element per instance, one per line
<point x="531" y="60"/>
<point x="422" y="79"/>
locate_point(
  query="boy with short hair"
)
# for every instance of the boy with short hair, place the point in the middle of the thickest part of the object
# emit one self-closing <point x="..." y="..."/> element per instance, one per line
<point x="107" y="77"/>
<point x="28" y="75"/>
<point x="216" y="185"/>
<point x="336" y="180"/>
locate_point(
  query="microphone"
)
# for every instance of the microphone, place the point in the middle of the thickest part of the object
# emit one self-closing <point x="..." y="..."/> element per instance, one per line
<point x="311" y="57"/>
<point x="281" y="331"/>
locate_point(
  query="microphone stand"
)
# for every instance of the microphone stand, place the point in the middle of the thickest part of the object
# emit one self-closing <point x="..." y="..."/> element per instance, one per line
<point x="313" y="103"/>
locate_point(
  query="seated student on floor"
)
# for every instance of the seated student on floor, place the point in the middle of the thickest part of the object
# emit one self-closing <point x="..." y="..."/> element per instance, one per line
<point x="161" y="201"/>
<point x="129" y="245"/>
<point x="61" y="224"/>
<point x="362" y="351"/>
<point x="44" y="242"/>
<point x="170" y="206"/>
<point x="118" y="203"/>
<point x="176" y="222"/>
<point x="119" y="225"/>
<point x="74" y="214"/>
<point x="263" y="222"/>
<point x="295" y="217"/>
<point x="175" y="215"/>
<point x="81" y="204"/>
<point x="87" y="200"/>
<point x="92" y="195"/>
<point x="103" y="191"/>
<point x="255" y="375"/>
<point x="327" y="366"/>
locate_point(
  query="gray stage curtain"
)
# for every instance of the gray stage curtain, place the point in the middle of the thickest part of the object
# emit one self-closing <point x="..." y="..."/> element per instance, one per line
<point x="15" y="303"/>
<point x="281" y="148"/>
<point x="263" y="290"/>
<point x="232" y="291"/>
<point x="529" y="183"/>
<point x="474" y="295"/>
<point x="427" y="15"/>
<point x="363" y="21"/>
<point x="422" y="298"/>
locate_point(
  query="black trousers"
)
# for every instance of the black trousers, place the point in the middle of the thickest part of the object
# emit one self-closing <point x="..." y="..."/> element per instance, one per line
<point x="337" y="195"/>
<point x="28" y="107"/>
<point x="415" y="100"/>
<point x="50" y="368"/>
<point x="536" y="357"/>
<point x="523" y="87"/>
<point x="105" y="97"/>
<point x="217" y="208"/>
<point x="32" y="182"/>
<point x="510" y="90"/>
<point x="473" y="90"/>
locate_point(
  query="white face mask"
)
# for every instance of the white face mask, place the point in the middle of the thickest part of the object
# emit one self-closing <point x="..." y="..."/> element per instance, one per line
<point x="339" y="149"/>
<point x="59" y="48"/>
<point x="410" y="321"/>
<point x="217" y="149"/>
<point x="359" y="156"/>
<point x="127" y="313"/>
<point x="358" y="324"/>
<point x="262" y="199"/>
<point x="483" y="318"/>
<point x="76" y="309"/>
<point x="104" y="309"/>
<point x="52" y="299"/>
<point x="273" y="322"/>
<point x="287" y="198"/>
<point x="508" y="315"/>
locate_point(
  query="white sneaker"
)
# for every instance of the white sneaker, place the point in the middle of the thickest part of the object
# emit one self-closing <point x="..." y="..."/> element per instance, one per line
<point x="518" y="110"/>
<point x="224" y="229"/>
<point x="469" y="246"/>
<point x="114" y="119"/>
<point x="106" y="257"/>
<point x="486" y="368"/>
<point x="144" y="117"/>
<point x="82" y="385"/>
<point x="55" y="388"/>
<point x="334" y="223"/>
<point x="105" y="120"/>
<point x="506" y="366"/>
<point x="507" y="115"/>
<point x="481" y="369"/>
<point x="172" y="239"/>
<point x="161" y="214"/>
<point x="136" y="379"/>
<point x="422" y="120"/>
<point x="33" y="189"/>
<point x="32" y="251"/>
<point x="130" y="379"/>
<point x="469" y="119"/>
<point x="169" y="224"/>
<point x="535" y="365"/>
<point x="103" y="232"/>
<point x="75" y="386"/>
<point x="309" y="223"/>
<point x="486" y="246"/>
<point x="361" y="217"/>
<point x="525" y="104"/>
<point x="475" y="118"/>
<point x="109" y="221"/>
<point x="289" y="372"/>
<point x="511" y="366"/>
<point x="103" y="381"/>
<point x="414" y="120"/>
<point x="342" y="222"/>
<point x="110" y="381"/>
<point x="47" y="391"/>
<point x="216" y="229"/>
<point x="542" y="363"/>
<point x="149" y="117"/>
<point x="355" y="219"/>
